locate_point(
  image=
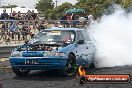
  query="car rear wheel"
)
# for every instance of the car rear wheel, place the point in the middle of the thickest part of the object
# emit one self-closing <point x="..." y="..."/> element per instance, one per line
<point x="21" y="72"/>
<point x="71" y="66"/>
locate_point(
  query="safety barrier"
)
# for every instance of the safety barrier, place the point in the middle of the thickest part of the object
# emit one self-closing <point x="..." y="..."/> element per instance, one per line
<point x="5" y="51"/>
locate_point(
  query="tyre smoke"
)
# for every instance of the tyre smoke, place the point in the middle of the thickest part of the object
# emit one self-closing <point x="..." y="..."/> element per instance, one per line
<point x="113" y="35"/>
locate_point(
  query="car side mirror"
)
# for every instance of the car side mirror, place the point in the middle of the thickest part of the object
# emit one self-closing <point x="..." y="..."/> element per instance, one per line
<point x="80" y="42"/>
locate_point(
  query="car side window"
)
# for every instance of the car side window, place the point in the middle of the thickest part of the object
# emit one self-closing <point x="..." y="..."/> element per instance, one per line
<point x="80" y="35"/>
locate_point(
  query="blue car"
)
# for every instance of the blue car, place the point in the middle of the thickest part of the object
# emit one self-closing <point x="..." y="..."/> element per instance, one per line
<point x="62" y="49"/>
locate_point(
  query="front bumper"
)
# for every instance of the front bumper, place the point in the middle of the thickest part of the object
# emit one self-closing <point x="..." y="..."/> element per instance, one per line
<point x="38" y="63"/>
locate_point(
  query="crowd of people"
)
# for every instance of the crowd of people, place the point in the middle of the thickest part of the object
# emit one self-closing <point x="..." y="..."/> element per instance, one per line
<point x="30" y="15"/>
<point x="22" y="17"/>
<point x="76" y="19"/>
<point x="9" y="23"/>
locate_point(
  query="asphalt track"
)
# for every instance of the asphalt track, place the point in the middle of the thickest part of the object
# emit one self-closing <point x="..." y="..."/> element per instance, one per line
<point x="41" y="79"/>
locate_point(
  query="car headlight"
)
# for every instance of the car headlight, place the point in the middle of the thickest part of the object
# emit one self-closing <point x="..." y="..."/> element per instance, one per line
<point x="16" y="54"/>
<point x="54" y="54"/>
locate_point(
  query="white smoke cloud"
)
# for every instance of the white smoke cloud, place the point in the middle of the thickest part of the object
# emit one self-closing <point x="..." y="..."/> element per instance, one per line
<point x="113" y="35"/>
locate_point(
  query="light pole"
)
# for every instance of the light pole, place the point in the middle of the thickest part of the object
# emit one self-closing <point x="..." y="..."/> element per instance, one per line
<point x="0" y="3"/>
<point x="56" y="2"/>
<point x="10" y="7"/>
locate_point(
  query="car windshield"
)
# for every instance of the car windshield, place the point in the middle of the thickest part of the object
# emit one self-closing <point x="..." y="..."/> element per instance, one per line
<point x="54" y="37"/>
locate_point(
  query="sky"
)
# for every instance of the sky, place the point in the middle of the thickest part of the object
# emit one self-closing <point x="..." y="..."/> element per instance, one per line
<point x="31" y="3"/>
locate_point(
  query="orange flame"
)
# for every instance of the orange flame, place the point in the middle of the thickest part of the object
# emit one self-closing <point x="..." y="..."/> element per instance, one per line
<point x="81" y="71"/>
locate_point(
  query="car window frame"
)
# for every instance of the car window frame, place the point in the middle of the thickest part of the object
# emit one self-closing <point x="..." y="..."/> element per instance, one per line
<point x="77" y="36"/>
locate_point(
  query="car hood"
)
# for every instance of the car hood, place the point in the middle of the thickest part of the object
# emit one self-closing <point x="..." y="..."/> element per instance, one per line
<point x="39" y="49"/>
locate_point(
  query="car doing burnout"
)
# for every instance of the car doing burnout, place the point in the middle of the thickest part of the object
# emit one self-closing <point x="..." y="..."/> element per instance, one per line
<point x="62" y="49"/>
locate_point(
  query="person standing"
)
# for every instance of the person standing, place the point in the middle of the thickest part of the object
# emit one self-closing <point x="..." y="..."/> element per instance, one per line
<point x="34" y="16"/>
<point x="69" y="19"/>
<point x="90" y="19"/>
<point x="64" y="20"/>
<point x="28" y="21"/>
<point x="4" y="15"/>
<point x="13" y="15"/>
<point x="29" y="15"/>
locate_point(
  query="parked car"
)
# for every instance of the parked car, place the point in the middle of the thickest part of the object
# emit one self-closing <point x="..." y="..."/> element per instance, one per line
<point x="61" y="49"/>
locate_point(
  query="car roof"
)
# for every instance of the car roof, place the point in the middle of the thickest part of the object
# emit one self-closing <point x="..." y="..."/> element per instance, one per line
<point x="75" y="29"/>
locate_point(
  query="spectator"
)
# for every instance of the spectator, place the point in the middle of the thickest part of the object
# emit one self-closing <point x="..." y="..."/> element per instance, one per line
<point x="29" y="15"/>
<point x="90" y="19"/>
<point x="25" y="30"/>
<point x="26" y="24"/>
<point x="41" y="27"/>
<point x="64" y="17"/>
<point x="86" y="16"/>
<point x="23" y="17"/>
<point x="19" y="16"/>
<point x="34" y="16"/>
<point x="75" y="19"/>
<point x="13" y="15"/>
<point x="64" y="20"/>
<point x="4" y="15"/>
<point x="69" y="19"/>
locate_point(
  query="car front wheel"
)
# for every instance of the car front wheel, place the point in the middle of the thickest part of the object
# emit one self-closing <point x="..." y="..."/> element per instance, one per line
<point x="71" y="66"/>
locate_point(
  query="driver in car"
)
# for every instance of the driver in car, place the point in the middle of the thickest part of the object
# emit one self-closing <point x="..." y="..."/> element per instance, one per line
<point x="68" y="38"/>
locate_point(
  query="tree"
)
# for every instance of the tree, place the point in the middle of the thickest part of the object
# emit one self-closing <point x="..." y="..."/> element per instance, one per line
<point x="44" y="5"/>
<point x="51" y="14"/>
<point x="97" y="7"/>
<point x="60" y="10"/>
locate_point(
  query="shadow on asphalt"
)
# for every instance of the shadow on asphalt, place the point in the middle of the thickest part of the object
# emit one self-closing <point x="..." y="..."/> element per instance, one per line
<point x="56" y="76"/>
<point x="44" y="76"/>
<point x="49" y="75"/>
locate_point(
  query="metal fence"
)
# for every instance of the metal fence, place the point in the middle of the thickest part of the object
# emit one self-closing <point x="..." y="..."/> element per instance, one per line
<point x="19" y="31"/>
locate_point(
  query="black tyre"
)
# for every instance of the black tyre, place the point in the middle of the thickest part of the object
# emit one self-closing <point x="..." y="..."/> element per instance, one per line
<point x="21" y="72"/>
<point x="71" y="66"/>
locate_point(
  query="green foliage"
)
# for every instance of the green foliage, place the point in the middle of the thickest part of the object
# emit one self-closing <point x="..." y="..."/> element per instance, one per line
<point x="65" y="6"/>
<point x="60" y="10"/>
<point x="95" y="7"/>
<point x="44" y="5"/>
<point x="47" y="8"/>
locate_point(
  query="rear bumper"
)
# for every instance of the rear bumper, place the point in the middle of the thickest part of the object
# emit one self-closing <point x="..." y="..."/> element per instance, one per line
<point x="42" y="63"/>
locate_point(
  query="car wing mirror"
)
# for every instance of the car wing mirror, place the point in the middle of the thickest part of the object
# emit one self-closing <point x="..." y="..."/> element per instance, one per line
<point x="80" y="42"/>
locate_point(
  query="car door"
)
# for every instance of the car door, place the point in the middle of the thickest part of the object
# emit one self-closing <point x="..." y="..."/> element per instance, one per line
<point x="82" y="49"/>
<point x="90" y="47"/>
